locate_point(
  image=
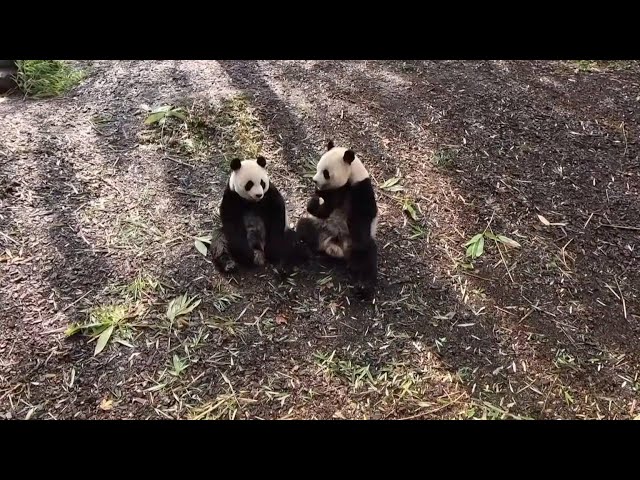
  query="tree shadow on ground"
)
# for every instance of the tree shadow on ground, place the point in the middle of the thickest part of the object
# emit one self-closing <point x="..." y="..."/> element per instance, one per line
<point x="397" y="115"/>
<point x="479" y="116"/>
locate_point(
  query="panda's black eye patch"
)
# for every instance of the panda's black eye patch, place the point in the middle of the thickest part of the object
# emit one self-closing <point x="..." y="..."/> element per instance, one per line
<point x="325" y="172"/>
<point x="248" y="186"/>
<point x="262" y="184"/>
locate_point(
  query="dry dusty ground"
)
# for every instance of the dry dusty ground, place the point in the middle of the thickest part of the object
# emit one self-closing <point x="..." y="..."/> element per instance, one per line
<point x="98" y="215"/>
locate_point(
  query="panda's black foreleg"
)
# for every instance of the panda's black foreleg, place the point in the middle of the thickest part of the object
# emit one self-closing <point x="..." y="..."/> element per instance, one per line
<point x="273" y="213"/>
<point x="274" y="248"/>
<point x="219" y="252"/>
<point x="234" y="229"/>
<point x="319" y="207"/>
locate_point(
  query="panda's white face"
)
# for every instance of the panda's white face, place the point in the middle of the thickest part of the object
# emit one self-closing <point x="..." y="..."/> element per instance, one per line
<point x="249" y="178"/>
<point x="332" y="171"/>
<point x="338" y="166"/>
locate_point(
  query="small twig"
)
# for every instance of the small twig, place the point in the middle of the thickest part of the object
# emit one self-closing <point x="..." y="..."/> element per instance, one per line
<point x="619" y="227"/>
<point x="502" y="256"/>
<point x="395" y="199"/>
<point x="429" y="412"/>
<point x="476" y="276"/>
<point x="564" y="257"/>
<point x="193" y="194"/>
<point x="178" y="161"/>
<point x="503" y="310"/>
<point x="624" y="304"/>
<point x="108" y="183"/>
<point x="590" y="217"/>
<point x="9" y="238"/>
<point x="509" y="186"/>
<point x="567" y="335"/>
<point x="233" y="392"/>
<point x="489" y="224"/>
<point x="404" y="280"/>
<point x="55" y="330"/>
<point x="624" y="134"/>
<point x="546" y="398"/>
<point x="526" y="315"/>
<point x="72" y="304"/>
<point x="538" y="308"/>
<point x="612" y="290"/>
<point x="505" y="264"/>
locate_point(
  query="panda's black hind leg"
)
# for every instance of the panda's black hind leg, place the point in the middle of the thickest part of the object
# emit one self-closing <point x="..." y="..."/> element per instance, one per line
<point x="295" y="252"/>
<point x="363" y="264"/>
<point x="308" y="232"/>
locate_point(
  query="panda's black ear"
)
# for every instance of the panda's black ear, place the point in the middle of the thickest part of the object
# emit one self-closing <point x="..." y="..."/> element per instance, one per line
<point x="236" y="164"/>
<point x="330" y="145"/>
<point x="261" y="161"/>
<point x="349" y="156"/>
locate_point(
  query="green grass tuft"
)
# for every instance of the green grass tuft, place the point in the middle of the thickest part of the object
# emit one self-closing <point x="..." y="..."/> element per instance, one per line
<point x="444" y="158"/>
<point x="46" y="78"/>
<point x="590" y="66"/>
<point x="104" y="322"/>
<point x="232" y="128"/>
<point x="240" y="130"/>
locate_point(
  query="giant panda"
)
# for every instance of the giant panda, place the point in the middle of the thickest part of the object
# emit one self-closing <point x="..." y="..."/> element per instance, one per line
<point x="344" y="215"/>
<point x="254" y="221"/>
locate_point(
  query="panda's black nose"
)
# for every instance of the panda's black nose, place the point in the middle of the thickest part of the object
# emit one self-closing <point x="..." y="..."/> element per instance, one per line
<point x="258" y="195"/>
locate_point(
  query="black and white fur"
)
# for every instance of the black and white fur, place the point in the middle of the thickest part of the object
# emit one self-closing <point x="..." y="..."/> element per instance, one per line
<point x="254" y="220"/>
<point x="344" y="214"/>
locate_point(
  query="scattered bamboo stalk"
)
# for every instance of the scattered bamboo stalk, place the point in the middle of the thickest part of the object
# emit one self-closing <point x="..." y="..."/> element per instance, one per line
<point x="619" y="227"/>
<point x="587" y="223"/>
<point x="624" y="304"/>
<point x="175" y="160"/>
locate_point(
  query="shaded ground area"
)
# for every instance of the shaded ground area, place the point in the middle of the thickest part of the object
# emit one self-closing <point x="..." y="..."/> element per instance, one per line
<point x="98" y="214"/>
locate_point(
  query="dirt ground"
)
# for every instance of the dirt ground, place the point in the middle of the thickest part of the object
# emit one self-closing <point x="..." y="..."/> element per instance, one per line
<point x="98" y="214"/>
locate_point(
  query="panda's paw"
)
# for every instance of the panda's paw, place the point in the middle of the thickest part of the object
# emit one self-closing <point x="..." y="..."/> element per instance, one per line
<point x="225" y="264"/>
<point x="284" y="272"/>
<point x="259" y="258"/>
<point x="283" y="269"/>
<point x="313" y="205"/>
<point x="302" y="253"/>
<point x="364" y="291"/>
<point x="298" y="255"/>
<point x="333" y="250"/>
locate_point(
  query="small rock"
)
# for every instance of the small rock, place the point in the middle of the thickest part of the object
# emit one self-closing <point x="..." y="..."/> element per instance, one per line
<point x="7" y="81"/>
